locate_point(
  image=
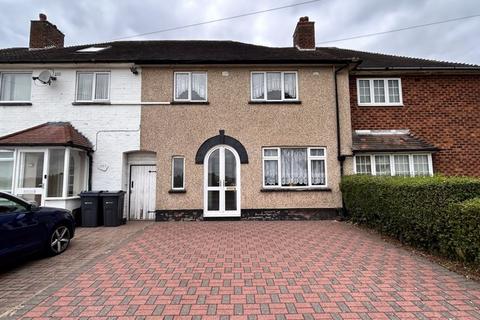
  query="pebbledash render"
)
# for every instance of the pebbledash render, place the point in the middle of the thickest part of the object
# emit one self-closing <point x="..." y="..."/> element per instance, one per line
<point x="200" y="129"/>
<point x="264" y="131"/>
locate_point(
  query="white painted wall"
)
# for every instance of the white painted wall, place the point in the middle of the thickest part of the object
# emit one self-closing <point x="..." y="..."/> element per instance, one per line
<point x="96" y="122"/>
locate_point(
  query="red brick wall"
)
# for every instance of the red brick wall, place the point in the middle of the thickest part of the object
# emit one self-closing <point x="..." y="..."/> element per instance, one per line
<point x="443" y="110"/>
<point x="43" y="34"/>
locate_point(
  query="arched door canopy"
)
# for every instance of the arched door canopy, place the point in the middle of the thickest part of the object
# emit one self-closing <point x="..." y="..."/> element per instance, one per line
<point x="221" y="139"/>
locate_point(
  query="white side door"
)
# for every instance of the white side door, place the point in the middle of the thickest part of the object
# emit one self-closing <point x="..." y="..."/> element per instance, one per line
<point x="143" y="180"/>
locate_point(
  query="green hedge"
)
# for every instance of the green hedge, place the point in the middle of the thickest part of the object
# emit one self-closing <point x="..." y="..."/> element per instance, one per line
<point x="425" y="212"/>
<point x="463" y="229"/>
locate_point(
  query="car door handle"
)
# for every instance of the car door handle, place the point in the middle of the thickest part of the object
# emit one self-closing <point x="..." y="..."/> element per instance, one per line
<point x="20" y="216"/>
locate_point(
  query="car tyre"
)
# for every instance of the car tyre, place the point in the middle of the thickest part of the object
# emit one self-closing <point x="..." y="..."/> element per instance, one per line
<point x="58" y="240"/>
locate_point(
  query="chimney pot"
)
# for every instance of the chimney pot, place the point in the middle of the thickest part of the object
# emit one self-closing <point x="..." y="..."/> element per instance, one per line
<point x="304" y="35"/>
<point x="44" y="34"/>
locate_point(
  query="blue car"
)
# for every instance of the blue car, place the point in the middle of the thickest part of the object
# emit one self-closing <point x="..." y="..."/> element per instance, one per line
<point x="26" y="228"/>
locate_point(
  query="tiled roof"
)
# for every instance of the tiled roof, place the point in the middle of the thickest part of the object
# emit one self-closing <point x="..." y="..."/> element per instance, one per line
<point x="48" y="134"/>
<point x="214" y="52"/>
<point x="372" y="60"/>
<point x="389" y="141"/>
<point x="171" y="52"/>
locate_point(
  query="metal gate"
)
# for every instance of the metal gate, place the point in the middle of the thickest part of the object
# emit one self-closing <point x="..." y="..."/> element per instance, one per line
<point x="143" y="179"/>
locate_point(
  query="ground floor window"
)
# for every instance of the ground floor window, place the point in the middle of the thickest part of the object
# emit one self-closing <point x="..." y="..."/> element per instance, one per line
<point x="6" y="170"/>
<point x="394" y="164"/>
<point x="56" y="166"/>
<point x="77" y="172"/>
<point x="294" y="167"/>
<point x="38" y="173"/>
<point x="178" y="173"/>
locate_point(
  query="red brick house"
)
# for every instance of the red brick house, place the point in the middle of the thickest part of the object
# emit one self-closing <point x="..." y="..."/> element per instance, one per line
<point x="440" y="106"/>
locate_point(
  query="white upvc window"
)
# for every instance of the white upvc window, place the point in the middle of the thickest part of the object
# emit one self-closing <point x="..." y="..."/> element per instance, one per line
<point x="178" y="173"/>
<point x="396" y="164"/>
<point x="67" y="170"/>
<point x="6" y="170"/>
<point x="93" y="86"/>
<point x="274" y="86"/>
<point x="294" y="167"/>
<point x="379" y="92"/>
<point x="190" y="86"/>
<point x="15" y="87"/>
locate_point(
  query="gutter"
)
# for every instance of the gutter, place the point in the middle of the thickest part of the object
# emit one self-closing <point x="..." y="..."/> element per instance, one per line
<point x="419" y="68"/>
<point x="180" y="62"/>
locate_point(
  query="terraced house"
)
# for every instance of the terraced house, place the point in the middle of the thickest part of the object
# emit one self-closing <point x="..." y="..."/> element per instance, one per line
<point x="223" y="128"/>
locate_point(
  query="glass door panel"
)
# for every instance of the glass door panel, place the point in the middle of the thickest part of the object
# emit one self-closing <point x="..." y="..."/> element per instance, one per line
<point x="214" y="181"/>
<point x="213" y="200"/>
<point x="230" y="169"/>
<point x="214" y="169"/>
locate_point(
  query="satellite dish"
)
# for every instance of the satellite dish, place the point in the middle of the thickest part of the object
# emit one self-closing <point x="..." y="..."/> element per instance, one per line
<point x="45" y="77"/>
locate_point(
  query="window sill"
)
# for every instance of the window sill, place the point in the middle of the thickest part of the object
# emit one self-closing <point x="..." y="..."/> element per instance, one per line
<point x="61" y="198"/>
<point x="381" y="105"/>
<point x="15" y="104"/>
<point x="190" y="102"/>
<point x="275" y="102"/>
<point x="322" y="189"/>
<point x="177" y="191"/>
<point x="90" y="103"/>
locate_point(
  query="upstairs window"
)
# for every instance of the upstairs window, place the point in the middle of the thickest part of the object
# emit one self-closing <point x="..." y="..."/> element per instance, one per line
<point x="93" y="86"/>
<point x="372" y="92"/>
<point x="274" y="86"/>
<point x="15" y="86"/>
<point x="190" y="86"/>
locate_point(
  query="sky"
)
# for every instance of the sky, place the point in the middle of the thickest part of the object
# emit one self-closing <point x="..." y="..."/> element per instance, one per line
<point x="94" y="21"/>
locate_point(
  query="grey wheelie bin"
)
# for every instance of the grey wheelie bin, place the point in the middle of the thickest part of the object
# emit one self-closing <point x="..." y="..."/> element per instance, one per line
<point x="92" y="213"/>
<point x="112" y="202"/>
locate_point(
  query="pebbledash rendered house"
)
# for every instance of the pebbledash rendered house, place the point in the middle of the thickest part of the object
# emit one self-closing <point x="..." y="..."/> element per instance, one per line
<point x="223" y="128"/>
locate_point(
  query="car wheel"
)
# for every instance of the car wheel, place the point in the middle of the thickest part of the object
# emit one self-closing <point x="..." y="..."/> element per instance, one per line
<point x="59" y="240"/>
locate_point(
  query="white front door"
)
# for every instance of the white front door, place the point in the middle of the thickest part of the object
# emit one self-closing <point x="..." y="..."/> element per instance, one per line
<point x="143" y="181"/>
<point x="32" y="176"/>
<point x="222" y="183"/>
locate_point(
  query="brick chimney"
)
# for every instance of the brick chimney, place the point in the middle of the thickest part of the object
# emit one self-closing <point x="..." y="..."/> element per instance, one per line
<point x="44" y="34"/>
<point x="304" y="35"/>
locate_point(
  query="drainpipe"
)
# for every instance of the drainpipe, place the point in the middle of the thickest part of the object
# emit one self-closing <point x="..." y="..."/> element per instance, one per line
<point x="340" y="157"/>
<point x="90" y="166"/>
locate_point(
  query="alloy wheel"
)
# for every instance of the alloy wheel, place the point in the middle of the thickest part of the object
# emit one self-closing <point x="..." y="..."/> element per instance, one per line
<point x="60" y="239"/>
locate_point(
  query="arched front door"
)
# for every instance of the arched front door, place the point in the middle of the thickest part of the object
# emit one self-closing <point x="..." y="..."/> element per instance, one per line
<point x="222" y="183"/>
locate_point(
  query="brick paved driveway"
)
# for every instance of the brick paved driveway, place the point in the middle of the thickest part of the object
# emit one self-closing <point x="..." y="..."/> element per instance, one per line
<point x="265" y="270"/>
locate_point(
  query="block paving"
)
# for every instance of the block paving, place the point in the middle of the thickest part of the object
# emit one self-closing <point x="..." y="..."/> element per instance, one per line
<point x="258" y="270"/>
